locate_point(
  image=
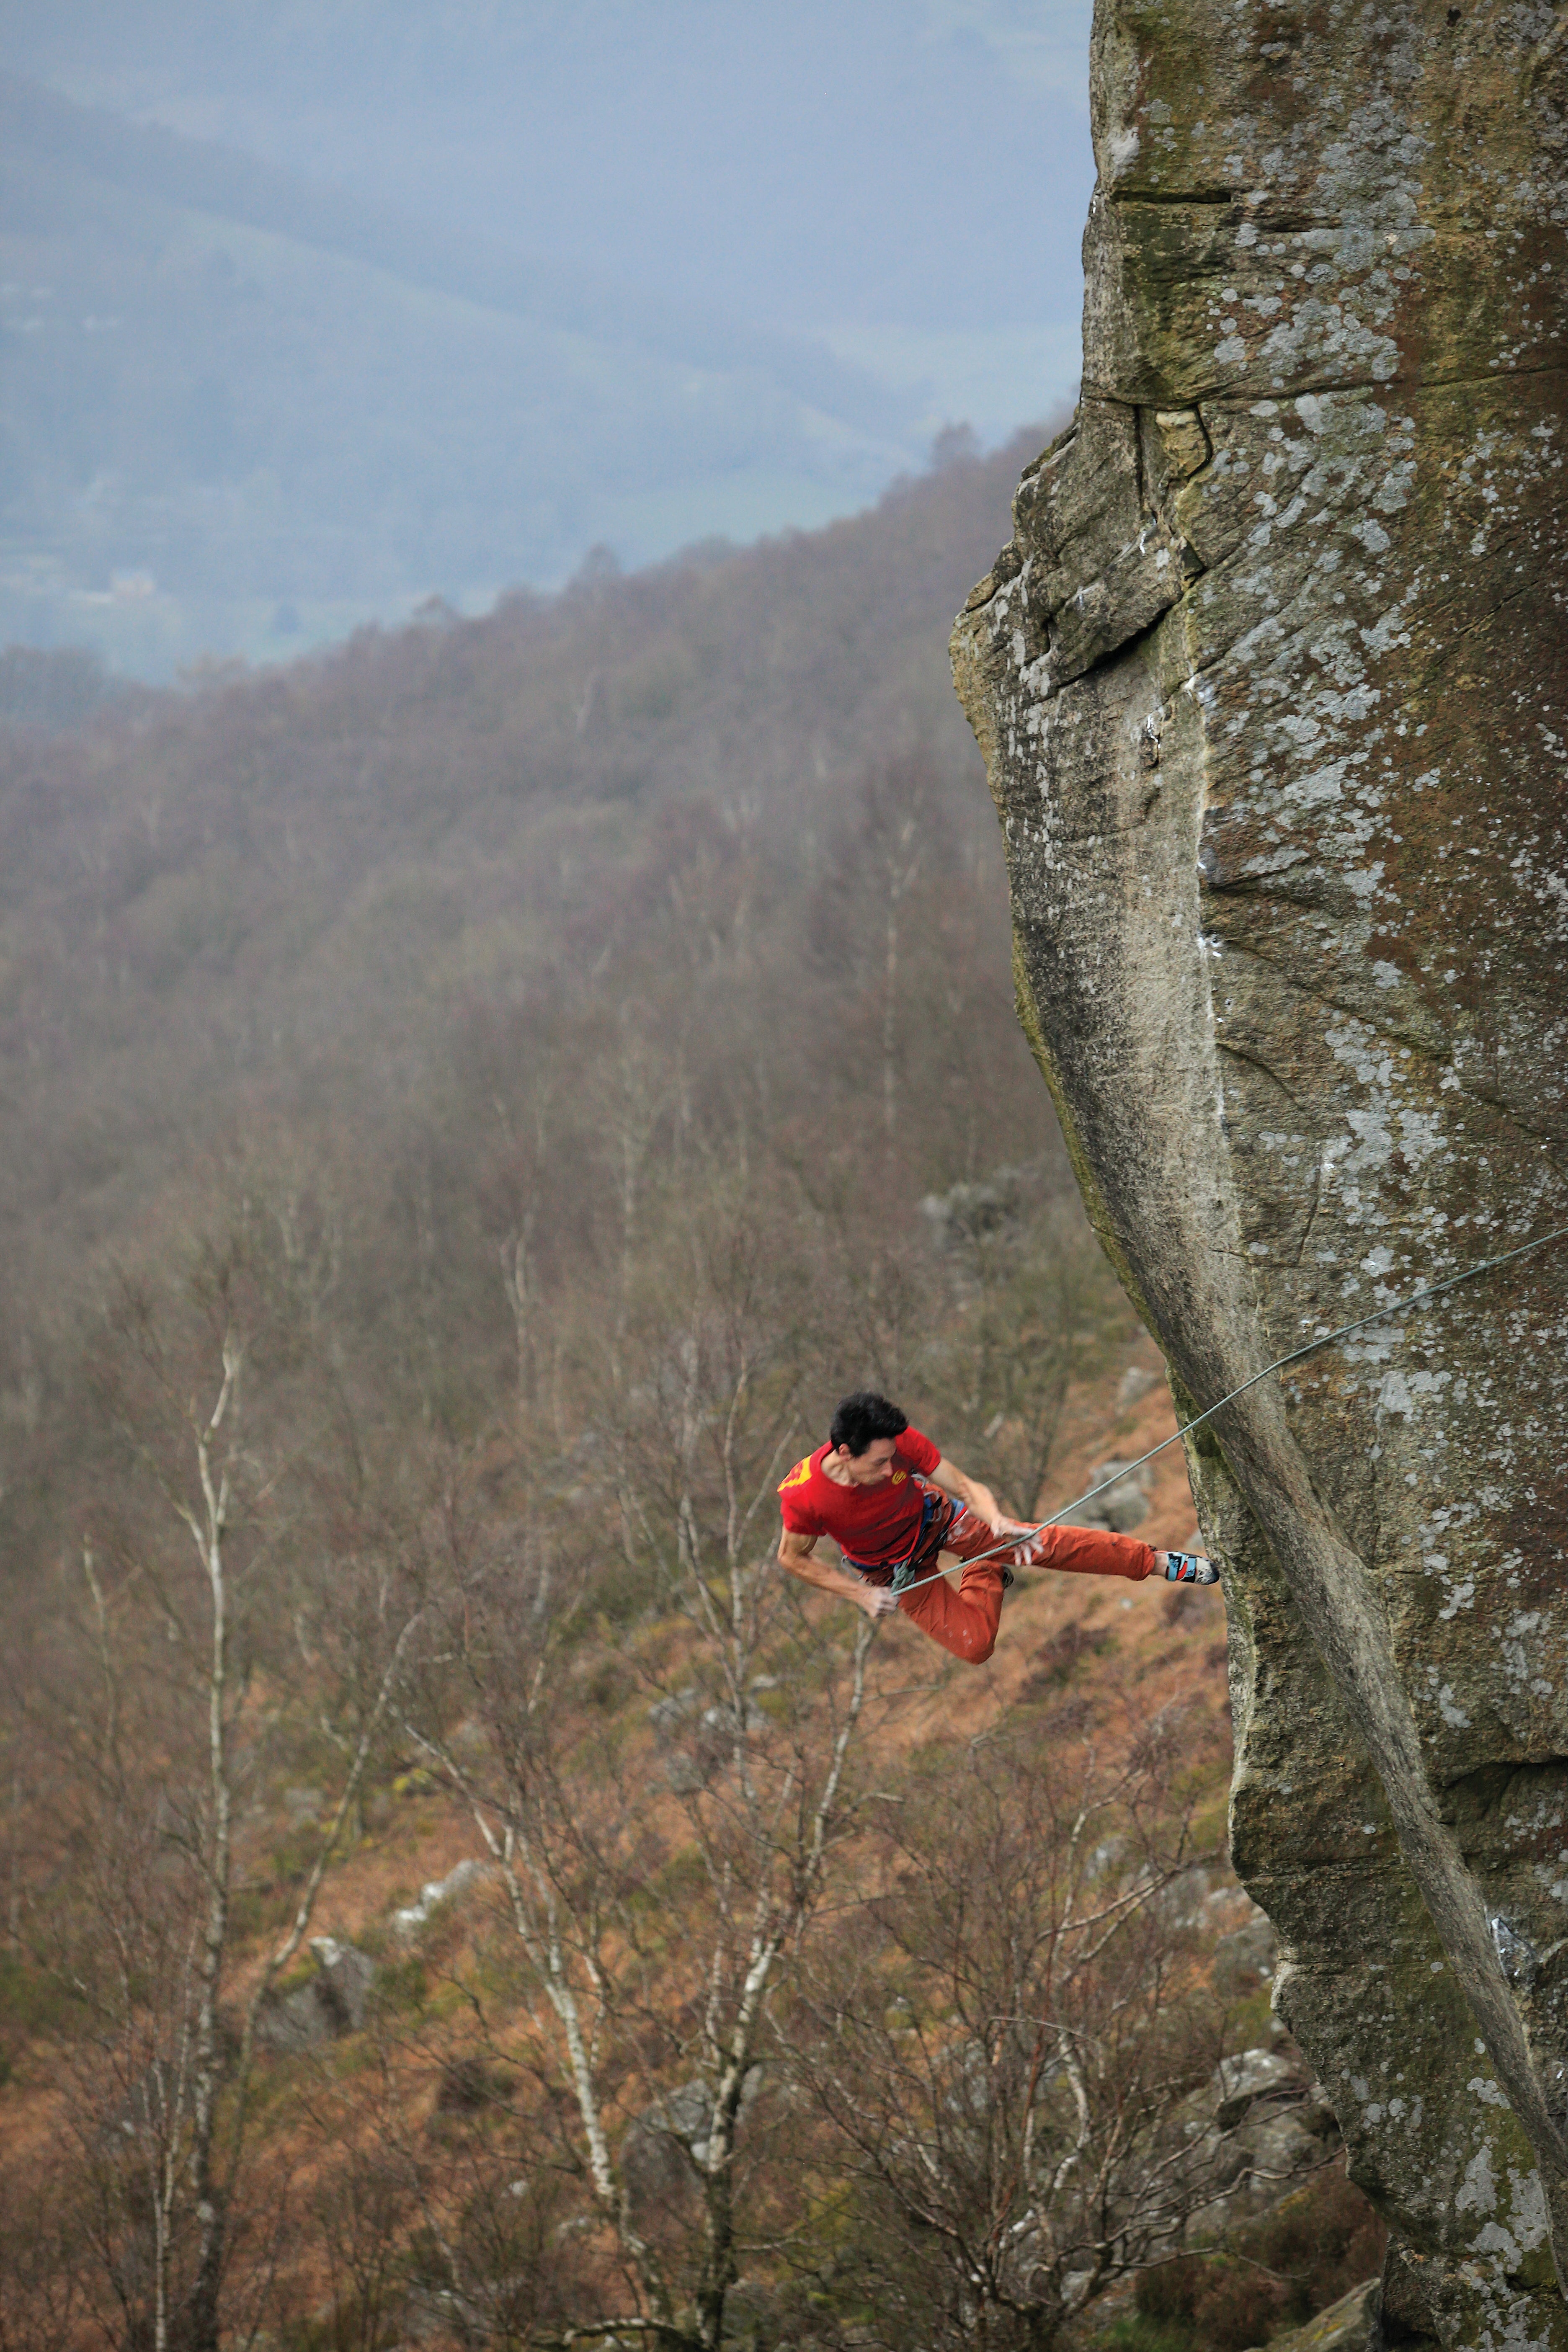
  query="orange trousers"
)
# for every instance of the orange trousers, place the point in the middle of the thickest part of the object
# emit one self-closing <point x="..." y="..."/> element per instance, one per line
<point x="965" y="1622"/>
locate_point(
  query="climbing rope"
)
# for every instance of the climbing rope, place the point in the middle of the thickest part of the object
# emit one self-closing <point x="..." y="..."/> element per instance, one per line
<point x="1329" y="1340"/>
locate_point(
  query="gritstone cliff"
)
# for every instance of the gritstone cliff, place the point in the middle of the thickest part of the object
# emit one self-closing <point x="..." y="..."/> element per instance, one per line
<point x="1272" y="685"/>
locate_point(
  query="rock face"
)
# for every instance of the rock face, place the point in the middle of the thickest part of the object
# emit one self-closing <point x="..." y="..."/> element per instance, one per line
<point x="1272" y="686"/>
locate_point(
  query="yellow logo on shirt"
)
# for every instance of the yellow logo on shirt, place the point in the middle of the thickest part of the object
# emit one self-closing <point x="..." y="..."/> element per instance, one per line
<point x="798" y="1477"/>
<point x="898" y="1478"/>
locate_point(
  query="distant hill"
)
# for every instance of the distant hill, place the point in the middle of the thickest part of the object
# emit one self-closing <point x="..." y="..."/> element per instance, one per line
<point x="242" y="412"/>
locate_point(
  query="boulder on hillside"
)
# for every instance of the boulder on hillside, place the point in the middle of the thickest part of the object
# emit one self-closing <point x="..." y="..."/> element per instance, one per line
<point x="460" y="1881"/>
<point x="664" y="2147"/>
<point x="1251" y="2075"/>
<point x="664" y="2143"/>
<point x="1275" y="2126"/>
<point x="1349" y="2325"/>
<point x="334" y="2001"/>
<point x="1247" y="1957"/>
<point x="1125" y="1503"/>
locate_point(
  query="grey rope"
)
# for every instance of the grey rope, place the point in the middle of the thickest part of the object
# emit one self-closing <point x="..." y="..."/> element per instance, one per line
<point x="1383" y="1315"/>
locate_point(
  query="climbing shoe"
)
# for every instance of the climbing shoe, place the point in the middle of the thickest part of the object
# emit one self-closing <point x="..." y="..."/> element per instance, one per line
<point x="1186" y="1568"/>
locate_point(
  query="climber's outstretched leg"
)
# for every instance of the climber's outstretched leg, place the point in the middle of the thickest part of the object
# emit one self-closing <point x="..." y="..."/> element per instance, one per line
<point x="1072" y="1551"/>
<point x="965" y="1622"/>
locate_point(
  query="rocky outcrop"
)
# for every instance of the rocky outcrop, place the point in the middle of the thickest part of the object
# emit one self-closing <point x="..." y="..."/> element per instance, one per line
<point x="664" y="2148"/>
<point x="1271" y="2127"/>
<point x="335" y="2000"/>
<point x="1348" y="2326"/>
<point x="1120" y="1492"/>
<point x="463" y="1880"/>
<point x="1272" y="686"/>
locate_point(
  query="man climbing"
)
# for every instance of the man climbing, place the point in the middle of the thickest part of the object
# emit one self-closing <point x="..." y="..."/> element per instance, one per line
<point x="891" y="1502"/>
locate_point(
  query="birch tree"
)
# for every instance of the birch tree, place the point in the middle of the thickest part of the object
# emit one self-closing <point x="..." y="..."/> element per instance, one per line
<point x="662" y="1866"/>
<point x="183" y="1616"/>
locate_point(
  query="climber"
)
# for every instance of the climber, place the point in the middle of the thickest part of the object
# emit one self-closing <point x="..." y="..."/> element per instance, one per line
<point x="891" y="1502"/>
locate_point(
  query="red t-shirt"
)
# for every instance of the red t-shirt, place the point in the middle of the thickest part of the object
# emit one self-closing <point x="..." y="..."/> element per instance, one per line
<point x="874" y="1524"/>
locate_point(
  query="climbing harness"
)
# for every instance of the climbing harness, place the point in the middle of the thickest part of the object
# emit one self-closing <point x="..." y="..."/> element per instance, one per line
<point x="1329" y="1338"/>
<point x="929" y="1505"/>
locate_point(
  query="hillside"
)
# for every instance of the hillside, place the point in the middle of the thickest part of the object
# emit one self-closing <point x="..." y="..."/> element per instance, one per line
<point x="470" y="1102"/>
<point x="243" y="412"/>
<point x="299" y="920"/>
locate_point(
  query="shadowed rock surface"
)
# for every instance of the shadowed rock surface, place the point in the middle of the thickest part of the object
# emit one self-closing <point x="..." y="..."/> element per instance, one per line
<point x="334" y="2001"/>
<point x="1348" y="2326"/>
<point x="1271" y="685"/>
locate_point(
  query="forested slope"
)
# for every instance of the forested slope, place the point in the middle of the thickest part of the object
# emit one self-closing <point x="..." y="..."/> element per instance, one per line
<point x="677" y="800"/>
<point x="470" y="1102"/>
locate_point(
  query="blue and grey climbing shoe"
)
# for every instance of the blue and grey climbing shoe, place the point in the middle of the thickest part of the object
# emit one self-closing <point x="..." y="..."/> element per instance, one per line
<point x="1186" y="1568"/>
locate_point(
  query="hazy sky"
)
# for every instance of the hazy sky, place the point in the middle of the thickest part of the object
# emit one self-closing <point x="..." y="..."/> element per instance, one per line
<point x="906" y="177"/>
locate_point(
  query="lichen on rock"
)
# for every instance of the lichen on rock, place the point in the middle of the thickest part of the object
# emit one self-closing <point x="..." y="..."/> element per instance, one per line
<point x="1272" y="687"/>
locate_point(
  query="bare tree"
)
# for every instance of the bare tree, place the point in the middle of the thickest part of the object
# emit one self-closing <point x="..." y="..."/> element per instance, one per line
<point x="893" y="822"/>
<point x="451" y="2219"/>
<point x="1010" y="2063"/>
<point x="649" y="1976"/>
<point x="1033" y="1307"/>
<point x="164" y="2078"/>
<point x="43" y="2222"/>
<point x="527" y="1139"/>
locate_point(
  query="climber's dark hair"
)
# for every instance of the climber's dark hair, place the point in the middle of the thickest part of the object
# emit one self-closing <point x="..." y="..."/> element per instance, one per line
<point x="860" y="1419"/>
